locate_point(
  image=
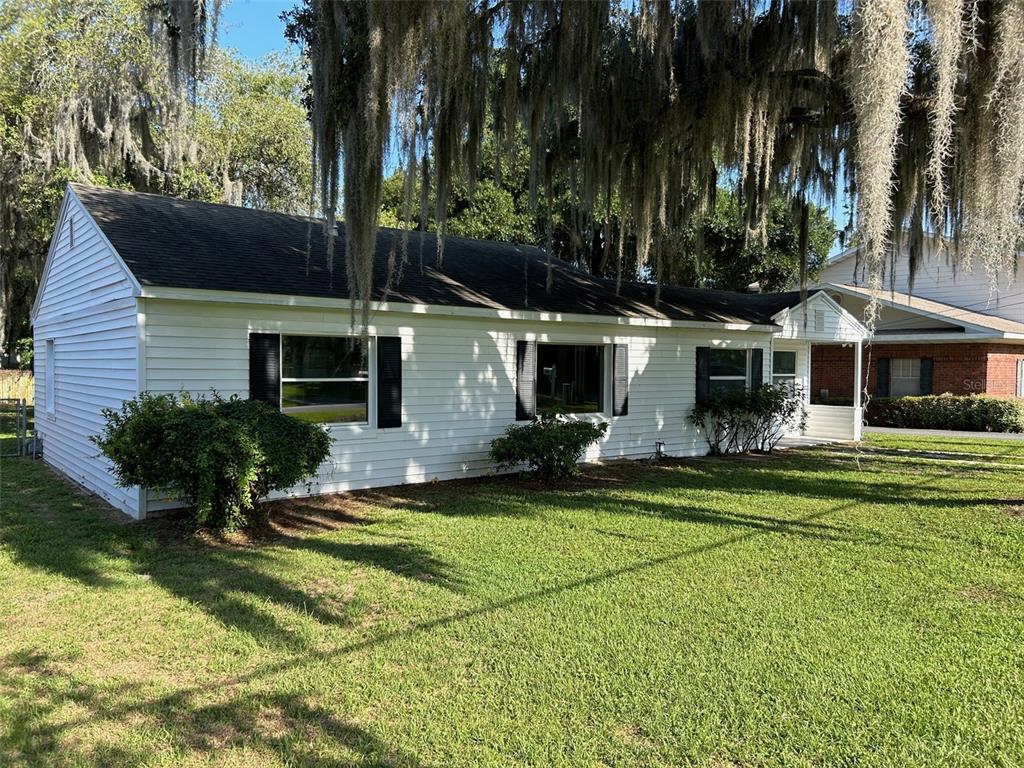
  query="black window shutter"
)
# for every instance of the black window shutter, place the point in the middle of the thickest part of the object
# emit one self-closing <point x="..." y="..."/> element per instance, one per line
<point x="265" y="368"/>
<point x="620" y="380"/>
<point x="703" y="374"/>
<point x="389" y="382"/>
<point x="756" y="368"/>
<point x="882" y="386"/>
<point x="927" y="367"/>
<point x="526" y="380"/>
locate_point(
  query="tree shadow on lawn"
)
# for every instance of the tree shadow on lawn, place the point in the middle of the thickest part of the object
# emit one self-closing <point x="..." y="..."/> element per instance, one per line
<point x="54" y="717"/>
<point x="47" y="524"/>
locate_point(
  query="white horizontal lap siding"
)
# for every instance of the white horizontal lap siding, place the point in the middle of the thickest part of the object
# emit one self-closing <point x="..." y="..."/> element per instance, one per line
<point x="833" y="422"/>
<point x="87" y="307"/>
<point x="458" y="383"/>
<point x="939" y="279"/>
<point x="802" y="323"/>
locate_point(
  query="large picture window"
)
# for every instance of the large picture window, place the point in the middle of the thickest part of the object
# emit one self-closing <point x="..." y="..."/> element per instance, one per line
<point x="324" y="379"/>
<point x="728" y="370"/>
<point x="570" y="378"/>
<point x="905" y="377"/>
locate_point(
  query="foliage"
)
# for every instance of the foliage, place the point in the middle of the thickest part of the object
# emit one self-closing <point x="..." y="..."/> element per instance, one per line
<point x="24" y="350"/>
<point x="499" y="208"/>
<point x="970" y="413"/>
<point x="744" y="420"/>
<point x="913" y="112"/>
<point x="549" y="445"/>
<point x="732" y="261"/>
<point x="86" y="95"/>
<point x="222" y="456"/>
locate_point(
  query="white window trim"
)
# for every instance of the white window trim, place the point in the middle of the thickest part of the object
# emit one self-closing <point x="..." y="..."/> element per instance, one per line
<point x="339" y="427"/>
<point x="607" y="382"/>
<point x="787" y="377"/>
<point x="51" y="377"/>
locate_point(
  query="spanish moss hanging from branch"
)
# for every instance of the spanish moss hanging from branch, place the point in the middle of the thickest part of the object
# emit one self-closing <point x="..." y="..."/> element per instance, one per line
<point x="637" y="113"/>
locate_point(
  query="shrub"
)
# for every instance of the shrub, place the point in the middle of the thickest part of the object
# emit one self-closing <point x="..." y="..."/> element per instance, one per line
<point x="24" y="350"/>
<point x="549" y="446"/>
<point x="221" y="456"/>
<point x="749" y="420"/>
<point x="969" y="413"/>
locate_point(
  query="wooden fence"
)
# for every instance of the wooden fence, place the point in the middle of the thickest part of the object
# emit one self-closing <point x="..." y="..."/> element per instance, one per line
<point x="17" y="384"/>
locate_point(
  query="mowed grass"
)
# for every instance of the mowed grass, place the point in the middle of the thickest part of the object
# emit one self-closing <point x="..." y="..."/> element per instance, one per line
<point x="821" y="607"/>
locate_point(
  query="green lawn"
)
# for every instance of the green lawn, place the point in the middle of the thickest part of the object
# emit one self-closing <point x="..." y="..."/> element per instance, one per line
<point x="824" y="607"/>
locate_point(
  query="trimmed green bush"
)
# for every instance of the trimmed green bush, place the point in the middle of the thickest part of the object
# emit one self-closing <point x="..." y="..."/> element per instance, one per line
<point x="743" y="420"/>
<point x="550" y="446"/>
<point x="221" y="456"/>
<point x="969" y="413"/>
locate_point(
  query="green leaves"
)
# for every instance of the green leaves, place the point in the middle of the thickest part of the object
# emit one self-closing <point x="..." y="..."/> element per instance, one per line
<point x="222" y="456"/>
<point x="549" y="446"/>
<point x="739" y="421"/>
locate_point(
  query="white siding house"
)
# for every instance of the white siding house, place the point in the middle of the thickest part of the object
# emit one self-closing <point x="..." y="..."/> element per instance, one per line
<point x="118" y="325"/>
<point x="86" y="334"/>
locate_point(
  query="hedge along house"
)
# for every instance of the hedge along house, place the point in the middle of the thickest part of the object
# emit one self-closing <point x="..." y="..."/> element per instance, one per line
<point x="147" y="293"/>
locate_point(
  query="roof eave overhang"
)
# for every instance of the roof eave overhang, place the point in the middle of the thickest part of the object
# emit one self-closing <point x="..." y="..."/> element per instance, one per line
<point x="436" y="310"/>
<point x="922" y="338"/>
<point x="970" y="327"/>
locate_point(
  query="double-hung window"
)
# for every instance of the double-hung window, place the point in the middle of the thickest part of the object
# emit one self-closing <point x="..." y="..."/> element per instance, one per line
<point x="325" y="379"/>
<point x="570" y="378"/>
<point x="784" y="368"/>
<point x="728" y="370"/>
<point x="905" y="376"/>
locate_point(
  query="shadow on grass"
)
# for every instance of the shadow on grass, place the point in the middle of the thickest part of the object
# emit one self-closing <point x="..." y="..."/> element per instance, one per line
<point x="46" y="524"/>
<point x="45" y="704"/>
<point x="52" y="527"/>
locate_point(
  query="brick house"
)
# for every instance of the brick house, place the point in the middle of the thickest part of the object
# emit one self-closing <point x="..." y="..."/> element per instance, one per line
<point x="951" y="331"/>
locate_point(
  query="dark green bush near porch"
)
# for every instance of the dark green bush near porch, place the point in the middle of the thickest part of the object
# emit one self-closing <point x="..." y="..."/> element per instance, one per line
<point x="970" y="413"/>
<point x="744" y="420"/>
<point x="221" y="456"/>
<point x="549" y="446"/>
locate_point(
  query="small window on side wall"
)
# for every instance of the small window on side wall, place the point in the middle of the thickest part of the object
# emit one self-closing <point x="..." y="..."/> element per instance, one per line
<point x="50" y="378"/>
<point x="570" y="378"/>
<point x="325" y="379"/>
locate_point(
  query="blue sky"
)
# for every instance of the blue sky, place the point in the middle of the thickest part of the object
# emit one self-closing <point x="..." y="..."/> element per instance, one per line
<point x="253" y="27"/>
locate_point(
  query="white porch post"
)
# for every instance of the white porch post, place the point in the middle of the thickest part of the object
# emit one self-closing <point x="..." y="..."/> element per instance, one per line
<point x="858" y="385"/>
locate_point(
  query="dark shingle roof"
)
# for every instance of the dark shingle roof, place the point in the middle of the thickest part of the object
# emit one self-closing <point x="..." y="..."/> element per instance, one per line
<point x="175" y="243"/>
